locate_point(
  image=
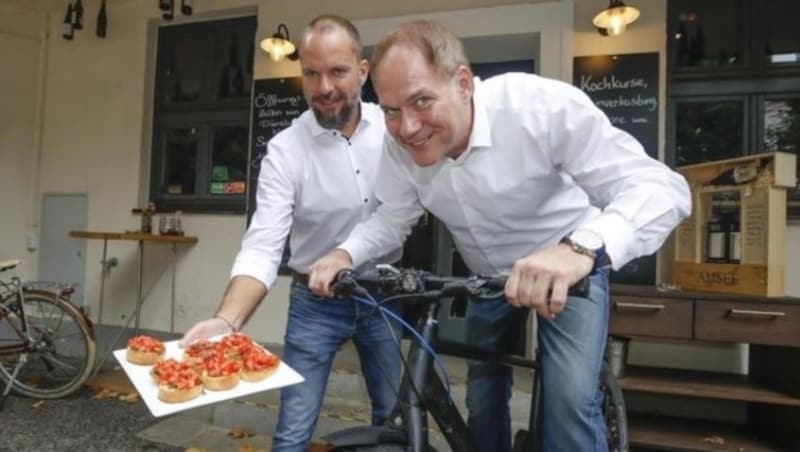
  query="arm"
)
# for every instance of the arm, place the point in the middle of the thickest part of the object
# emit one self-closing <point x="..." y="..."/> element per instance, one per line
<point x="641" y="200"/>
<point x="387" y="227"/>
<point x="256" y="265"/>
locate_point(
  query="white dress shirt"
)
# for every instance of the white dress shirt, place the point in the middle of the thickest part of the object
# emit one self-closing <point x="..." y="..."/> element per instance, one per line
<point x="541" y="161"/>
<point x="318" y="184"/>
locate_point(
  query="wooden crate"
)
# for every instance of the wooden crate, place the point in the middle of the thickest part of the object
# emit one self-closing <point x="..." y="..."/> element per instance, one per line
<point x="760" y="181"/>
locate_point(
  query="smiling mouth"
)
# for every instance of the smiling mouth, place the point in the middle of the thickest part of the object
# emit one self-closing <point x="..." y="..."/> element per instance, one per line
<point x="416" y="145"/>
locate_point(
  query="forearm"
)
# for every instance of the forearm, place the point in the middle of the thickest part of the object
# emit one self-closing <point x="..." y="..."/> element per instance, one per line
<point x="242" y="297"/>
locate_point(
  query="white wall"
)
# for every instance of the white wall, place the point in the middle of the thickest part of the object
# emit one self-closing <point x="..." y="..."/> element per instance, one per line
<point x="21" y="34"/>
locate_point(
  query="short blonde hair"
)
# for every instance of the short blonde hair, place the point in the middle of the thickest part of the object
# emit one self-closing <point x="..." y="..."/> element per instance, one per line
<point x="440" y="47"/>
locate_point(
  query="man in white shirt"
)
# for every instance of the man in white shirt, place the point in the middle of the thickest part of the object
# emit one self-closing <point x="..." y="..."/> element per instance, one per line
<point x="532" y="181"/>
<point x="317" y="181"/>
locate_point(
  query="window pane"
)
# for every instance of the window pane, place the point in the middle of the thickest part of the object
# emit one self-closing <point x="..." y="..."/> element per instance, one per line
<point x="184" y="70"/>
<point x="707" y="131"/>
<point x="706" y="33"/>
<point x="233" y="65"/>
<point x="180" y="161"/>
<point x="782" y="39"/>
<point x="782" y="124"/>
<point x="229" y="161"/>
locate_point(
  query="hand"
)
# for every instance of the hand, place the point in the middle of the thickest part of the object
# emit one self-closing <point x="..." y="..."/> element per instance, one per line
<point x="542" y="280"/>
<point x="324" y="270"/>
<point x="205" y="330"/>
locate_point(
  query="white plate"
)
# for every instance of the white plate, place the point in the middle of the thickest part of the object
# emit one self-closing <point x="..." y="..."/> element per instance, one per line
<point x="148" y="390"/>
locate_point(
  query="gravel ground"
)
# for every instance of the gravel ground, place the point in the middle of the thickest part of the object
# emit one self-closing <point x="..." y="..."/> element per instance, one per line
<point x="79" y="422"/>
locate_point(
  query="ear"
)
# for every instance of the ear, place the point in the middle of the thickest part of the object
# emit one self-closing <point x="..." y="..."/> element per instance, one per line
<point x="464" y="82"/>
<point x="363" y="71"/>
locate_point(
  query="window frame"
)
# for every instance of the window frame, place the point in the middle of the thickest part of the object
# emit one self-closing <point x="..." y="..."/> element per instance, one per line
<point x="204" y="114"/>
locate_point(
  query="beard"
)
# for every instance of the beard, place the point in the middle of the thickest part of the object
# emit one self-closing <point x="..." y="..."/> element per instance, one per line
<point x="338" y="119"/>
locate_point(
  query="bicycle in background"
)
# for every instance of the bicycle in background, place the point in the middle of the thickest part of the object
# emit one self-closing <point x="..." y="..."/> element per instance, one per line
<point x="423" y="391"/>
<point x="47" y="344"/>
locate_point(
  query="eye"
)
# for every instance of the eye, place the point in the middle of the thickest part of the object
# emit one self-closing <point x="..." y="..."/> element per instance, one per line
<point x="339" y="72"/>
<point x="391" y="113"/>
<point x="309" y="74"/>
<point x="422" y="102"/>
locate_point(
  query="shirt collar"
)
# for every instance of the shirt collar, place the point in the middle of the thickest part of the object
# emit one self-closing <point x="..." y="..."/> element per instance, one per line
<point x="367" y="117"/>
<point x="481" y="133"/>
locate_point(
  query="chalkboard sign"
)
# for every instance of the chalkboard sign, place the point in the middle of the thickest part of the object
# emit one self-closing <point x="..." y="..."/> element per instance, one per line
<point x="625" y="87"/>
<point x="276" y="103"/>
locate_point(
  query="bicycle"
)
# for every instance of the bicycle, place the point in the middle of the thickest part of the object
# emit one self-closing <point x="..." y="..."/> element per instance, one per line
<point x="422" y="390"/>
<point x="47" y="344"/>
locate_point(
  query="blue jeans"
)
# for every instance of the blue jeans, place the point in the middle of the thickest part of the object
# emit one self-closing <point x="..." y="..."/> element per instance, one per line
<point x="571" y="349"/>
<point x="316" y="328"/>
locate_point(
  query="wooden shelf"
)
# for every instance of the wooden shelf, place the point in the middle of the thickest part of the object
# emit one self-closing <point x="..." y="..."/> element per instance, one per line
<point x="712" y="385"/>
<point x="683" y="435"/>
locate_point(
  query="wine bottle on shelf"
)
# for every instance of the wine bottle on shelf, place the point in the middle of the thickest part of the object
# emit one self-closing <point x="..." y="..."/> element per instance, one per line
<point x="78" y="10"/>
<point x="169" y="13"/>
<point x="66" y="27"/>
<point x="186" y="7"/>
<point x="102" y="21"/>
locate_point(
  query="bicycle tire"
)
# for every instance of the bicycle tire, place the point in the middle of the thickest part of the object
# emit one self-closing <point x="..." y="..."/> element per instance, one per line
<point x="63" y="354"/>
<point x="614" y="411"/>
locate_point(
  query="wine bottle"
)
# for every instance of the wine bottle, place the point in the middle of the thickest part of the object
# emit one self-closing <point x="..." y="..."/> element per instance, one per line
<point x="66" y="27"/>
<point x="170" y="11"/>
<point x="186" y="7"/>
<point x="102" y="21"/>
<point x="78" y="9"/>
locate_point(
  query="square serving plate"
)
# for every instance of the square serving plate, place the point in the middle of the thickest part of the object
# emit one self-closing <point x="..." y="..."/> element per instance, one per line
<point x="148" y="390"/>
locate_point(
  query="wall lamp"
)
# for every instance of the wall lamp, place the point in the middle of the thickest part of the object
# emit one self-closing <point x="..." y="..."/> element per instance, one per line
<point x="613" y="20"/>
<point x="279" y="46"/>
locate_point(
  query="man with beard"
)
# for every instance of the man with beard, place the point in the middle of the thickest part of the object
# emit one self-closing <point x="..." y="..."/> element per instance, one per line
<point x="317" y="182"/>
<point x="533" y="182"/>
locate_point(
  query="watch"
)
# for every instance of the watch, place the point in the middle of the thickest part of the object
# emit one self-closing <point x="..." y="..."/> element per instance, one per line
<point x="590" y="244"/>
<point x="584" y="241"/>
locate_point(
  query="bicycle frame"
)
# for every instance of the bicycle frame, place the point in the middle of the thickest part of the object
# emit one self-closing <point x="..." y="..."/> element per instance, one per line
<point x="14" y="289"/>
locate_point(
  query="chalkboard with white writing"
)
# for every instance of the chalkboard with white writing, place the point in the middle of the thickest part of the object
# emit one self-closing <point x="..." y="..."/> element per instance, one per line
<point x="276" y="103"/>
<point x="625" y="87"/>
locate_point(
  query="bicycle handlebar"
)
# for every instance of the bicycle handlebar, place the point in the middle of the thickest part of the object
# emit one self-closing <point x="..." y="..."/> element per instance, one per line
<point x="409" y="281"/>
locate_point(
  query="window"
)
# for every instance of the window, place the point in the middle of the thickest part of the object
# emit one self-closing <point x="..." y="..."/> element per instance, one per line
<point x="204" y="73"/>
<point x="734" y="84"/>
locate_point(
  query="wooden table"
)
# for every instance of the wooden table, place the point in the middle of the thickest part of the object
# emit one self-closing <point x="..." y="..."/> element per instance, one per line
<point x="140" y="238"/>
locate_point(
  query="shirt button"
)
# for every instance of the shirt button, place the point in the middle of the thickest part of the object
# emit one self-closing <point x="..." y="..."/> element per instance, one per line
<point x="366" y="200"/>
<point x="358" y="171"/>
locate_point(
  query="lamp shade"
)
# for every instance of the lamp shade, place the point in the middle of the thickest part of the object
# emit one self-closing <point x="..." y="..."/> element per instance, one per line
<point x="279" y="46"/>
<point x="615" y="19"/>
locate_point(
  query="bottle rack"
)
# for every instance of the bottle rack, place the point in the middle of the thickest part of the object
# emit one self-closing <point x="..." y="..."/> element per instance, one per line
<point x="744" y="199"/>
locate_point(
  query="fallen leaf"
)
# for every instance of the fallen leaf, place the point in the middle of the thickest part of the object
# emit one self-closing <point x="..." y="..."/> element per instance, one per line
<point x="106" y="394"/>
<point x="37" y="404"/>
<point x="714" y="439"/>
<point x="238" y="433"/>
<point x="198" y="449"/>
<point x="319" y="447"/>
<point x="246" y="448"/>
<point x="131" y="397"/>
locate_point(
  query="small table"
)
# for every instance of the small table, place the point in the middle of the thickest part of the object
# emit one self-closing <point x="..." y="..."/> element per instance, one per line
<point x="141" y="238"/>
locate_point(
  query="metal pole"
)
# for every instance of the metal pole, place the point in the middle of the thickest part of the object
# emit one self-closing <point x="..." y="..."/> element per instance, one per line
<point x="104" y="266"/>
<point x="172" y="293"/>
<point x="139" y="299"/>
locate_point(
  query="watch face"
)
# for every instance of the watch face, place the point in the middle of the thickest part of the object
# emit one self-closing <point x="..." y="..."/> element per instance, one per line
<point x="587" y="239"/>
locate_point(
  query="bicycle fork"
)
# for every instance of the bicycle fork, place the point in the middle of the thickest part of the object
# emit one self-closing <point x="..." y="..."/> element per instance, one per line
<point x="425" y="393"/>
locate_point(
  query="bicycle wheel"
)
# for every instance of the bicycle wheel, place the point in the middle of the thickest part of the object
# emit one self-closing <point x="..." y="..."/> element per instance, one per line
<point x="614" y="411"/>
<point x="62" y="352"/>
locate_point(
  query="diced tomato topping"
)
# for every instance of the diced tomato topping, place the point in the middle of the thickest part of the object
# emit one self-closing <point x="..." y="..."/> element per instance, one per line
<point x="179" y="376"/>
<point x="257" y="359"/>
<point x="218" y="365"/>
<point x="145" y="344"/>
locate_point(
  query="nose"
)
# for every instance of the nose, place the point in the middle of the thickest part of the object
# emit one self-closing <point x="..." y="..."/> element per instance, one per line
<point x="325" y="84"/>
<point x="409" y="125"/>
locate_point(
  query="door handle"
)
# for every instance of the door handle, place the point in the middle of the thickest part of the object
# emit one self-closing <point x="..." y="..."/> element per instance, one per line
<point x="751" y="313"/>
